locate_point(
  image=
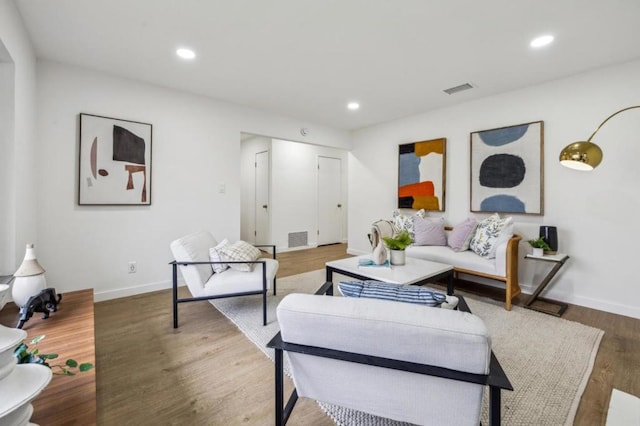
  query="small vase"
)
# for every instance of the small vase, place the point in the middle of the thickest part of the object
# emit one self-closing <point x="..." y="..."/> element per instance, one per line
<point x="379" y="255"/>
<point x="397" y="257"/>
<point x="29" y="278"/>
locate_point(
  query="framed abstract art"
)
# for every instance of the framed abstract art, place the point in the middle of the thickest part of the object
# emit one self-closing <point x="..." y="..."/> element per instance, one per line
<point x="114" y="161"/>
<point x="421" y="175"/>
<point x="507" y="169"/>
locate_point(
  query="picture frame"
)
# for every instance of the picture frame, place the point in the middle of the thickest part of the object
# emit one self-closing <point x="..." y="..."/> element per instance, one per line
<point x="422" y="175"/>
<point x="507" y="169"/>
<point x="114" y="161"/>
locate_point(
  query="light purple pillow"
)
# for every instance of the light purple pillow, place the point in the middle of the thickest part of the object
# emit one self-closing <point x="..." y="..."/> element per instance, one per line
<point x="429" y="232"/>
<point x="461" y="235"/>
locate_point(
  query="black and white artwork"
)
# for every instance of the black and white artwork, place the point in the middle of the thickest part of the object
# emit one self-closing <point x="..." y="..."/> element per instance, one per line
<point x="115" y="161"/>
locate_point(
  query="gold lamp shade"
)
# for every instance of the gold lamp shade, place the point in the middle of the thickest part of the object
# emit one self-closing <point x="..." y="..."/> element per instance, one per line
<point x="581" y="155"/>
<point x="586" y="155"/>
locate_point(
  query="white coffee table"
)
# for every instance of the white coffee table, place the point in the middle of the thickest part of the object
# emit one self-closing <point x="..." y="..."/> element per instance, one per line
<point x="415" y="271"/>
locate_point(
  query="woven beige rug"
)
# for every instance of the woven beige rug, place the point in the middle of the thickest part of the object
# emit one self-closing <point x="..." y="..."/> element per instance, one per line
<point x="547" y="359"/>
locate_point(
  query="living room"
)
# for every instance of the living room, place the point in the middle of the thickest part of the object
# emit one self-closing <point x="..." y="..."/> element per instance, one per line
<point x="196" y="148"/>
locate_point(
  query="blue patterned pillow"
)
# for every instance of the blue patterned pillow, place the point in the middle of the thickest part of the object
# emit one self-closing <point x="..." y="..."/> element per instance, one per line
<point x="396" y="292"/>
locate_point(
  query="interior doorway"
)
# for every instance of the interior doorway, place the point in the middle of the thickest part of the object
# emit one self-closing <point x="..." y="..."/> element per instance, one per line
<point x="330" y="211"/>
<point x="262" y="208"/>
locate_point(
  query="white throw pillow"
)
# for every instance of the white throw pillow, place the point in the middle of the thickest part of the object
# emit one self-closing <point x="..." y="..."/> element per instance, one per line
<point x="490" y="233"/>
<point x="402" y="222"/>
<point x="240" y="251"/>
<point x="214" y="256"/>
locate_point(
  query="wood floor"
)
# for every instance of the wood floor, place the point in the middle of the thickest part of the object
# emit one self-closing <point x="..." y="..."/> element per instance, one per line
<point x="149" y="373"/>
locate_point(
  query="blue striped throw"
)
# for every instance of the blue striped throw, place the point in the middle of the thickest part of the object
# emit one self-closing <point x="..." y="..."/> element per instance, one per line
<point x="386" y="291"/>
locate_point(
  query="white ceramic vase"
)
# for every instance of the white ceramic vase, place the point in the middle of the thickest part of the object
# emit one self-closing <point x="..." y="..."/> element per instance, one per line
<point x="29" y="278"/>
<point x="538" y="252"/>
<point x="379" y="255"/>
<point x="397" y="257"/>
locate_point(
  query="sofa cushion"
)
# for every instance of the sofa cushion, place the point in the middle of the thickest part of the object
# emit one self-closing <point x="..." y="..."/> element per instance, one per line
<point x="232" y="281"/>
<point x="463" y="259"/>
<point x="395" y="292"/>
<point x="461" y="235"/>
<point x="240" y="251"/>
<point x="214" y="256"/>
<point x="402" y="221"/>
<point x="429" y="232"/>
<point x="490" y="233"/>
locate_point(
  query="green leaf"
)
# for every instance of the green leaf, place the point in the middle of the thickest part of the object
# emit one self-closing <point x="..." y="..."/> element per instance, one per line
<point x="71" y="363"/>
<point x="49" y="356"/>
<point x="85" y="366"/>
<point x="38" y="339"/>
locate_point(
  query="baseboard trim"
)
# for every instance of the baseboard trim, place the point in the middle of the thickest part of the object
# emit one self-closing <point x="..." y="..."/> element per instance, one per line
<point x="101" y="296"/>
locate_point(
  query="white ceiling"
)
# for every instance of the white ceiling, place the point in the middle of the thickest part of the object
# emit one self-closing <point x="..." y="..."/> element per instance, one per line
<point x="307" y="58"/>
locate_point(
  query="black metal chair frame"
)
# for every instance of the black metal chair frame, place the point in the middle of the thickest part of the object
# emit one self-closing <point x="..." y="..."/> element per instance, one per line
<point x="176" y="301"/>
<point x="496" y="379"/>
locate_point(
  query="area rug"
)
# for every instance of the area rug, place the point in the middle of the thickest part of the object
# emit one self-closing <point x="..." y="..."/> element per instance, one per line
<point x="547" y="359"/>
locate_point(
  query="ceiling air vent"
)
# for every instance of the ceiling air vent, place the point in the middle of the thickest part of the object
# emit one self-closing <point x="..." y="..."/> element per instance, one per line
<point x="452" y="90"/>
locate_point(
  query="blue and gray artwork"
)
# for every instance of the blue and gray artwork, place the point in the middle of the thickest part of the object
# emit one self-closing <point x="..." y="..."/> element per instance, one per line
<point x="506" y="164"/>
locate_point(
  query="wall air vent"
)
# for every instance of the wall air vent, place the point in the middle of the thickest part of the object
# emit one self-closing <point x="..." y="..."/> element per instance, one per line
<point x="452" y="90"/>
<point x="298" y="239"/>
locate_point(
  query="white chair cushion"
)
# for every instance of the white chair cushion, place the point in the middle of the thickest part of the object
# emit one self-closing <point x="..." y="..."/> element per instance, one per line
<point x="394" y="330"/>
<point x="194" y="248"/>
<point x="232" y="281"/>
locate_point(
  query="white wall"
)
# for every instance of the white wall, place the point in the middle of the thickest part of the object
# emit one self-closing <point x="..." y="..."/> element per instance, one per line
<point x="595" y="212"/>
<point x="294" y="190"/>
<point x="196" y="147"/>
<point x="18" y="144"/>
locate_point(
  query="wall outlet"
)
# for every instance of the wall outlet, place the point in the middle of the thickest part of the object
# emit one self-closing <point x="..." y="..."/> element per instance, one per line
<point x="133" y="267"/>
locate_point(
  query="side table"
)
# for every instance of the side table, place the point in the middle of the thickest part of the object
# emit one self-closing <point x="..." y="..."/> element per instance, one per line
<point x="558" y="260"/>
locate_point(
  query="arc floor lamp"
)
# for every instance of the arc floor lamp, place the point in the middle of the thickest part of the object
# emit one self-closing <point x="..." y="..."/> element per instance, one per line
<point x="586" y="155"/>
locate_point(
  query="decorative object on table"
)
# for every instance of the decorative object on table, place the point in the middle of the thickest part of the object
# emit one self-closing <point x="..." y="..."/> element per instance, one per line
<point x="586" y="155"/>
<point x="397" y="245"/>
<point x="25" y="356"/>
<point x="379" y="255"/>
<point x="46" y="301"/>
<point x="421" y="175"/>
<point x="19" y="384"/>
<point x="114" y="161"/>
<point x="379" y="229"/>
<point x="539" y="246"/>
<point x="550" y="235"/>
<point x="366" y="263"/>
<point x="507" y="169"/>
<point x="29" y="278"/>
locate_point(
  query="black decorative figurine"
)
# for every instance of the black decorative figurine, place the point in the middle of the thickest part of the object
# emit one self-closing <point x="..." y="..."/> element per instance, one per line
<point x="45" y="302"/>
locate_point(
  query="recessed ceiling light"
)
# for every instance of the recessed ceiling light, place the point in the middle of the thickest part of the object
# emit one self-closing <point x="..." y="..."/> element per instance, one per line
<point x="541" y="41"/>
<point x="186" y="53"/>
<point x="353" y="105"/>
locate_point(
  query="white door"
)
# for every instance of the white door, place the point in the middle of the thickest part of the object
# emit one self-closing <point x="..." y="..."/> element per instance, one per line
<point x="330" y="212"/>
<point x="262" y="207"/>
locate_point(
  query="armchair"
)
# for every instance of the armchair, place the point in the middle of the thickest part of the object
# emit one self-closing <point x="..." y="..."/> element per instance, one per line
<point x="191" y="254"/>
<point x="396" y="360"/>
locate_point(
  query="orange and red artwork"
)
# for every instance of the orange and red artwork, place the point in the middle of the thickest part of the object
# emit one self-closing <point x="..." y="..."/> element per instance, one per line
<point x="421" y="175"/>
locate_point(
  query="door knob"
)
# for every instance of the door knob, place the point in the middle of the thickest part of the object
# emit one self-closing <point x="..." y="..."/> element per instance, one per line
<point x="264" y="206"/>
<point x="339" y="205"/>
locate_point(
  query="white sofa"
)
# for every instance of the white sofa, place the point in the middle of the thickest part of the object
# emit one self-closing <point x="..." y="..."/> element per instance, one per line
<point x="503" y="268"/>
<point x="396" y="360"/>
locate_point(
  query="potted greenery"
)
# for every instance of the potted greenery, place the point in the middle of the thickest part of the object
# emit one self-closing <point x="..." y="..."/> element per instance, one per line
<point x="33" y="356"/>
<point x="539" y="246"/>
<point x="396" y="246"/>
